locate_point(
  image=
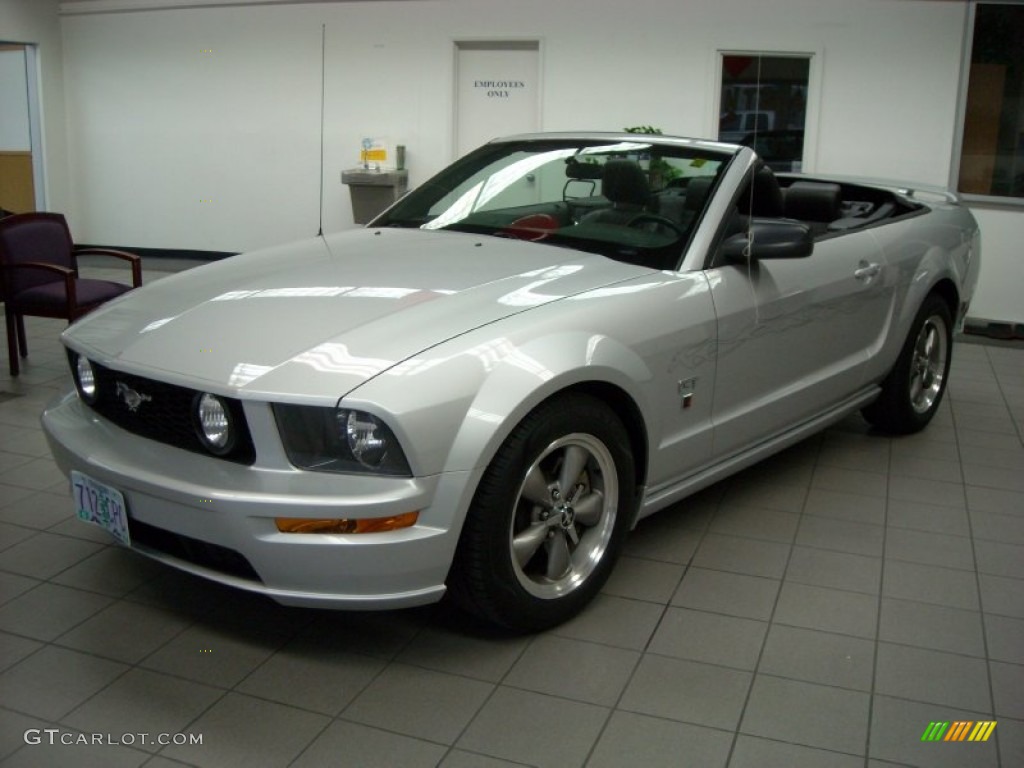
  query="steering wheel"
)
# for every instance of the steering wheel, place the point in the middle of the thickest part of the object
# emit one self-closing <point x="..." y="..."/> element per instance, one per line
<point x="652" y="218"/>
<point x="534" y="227"/>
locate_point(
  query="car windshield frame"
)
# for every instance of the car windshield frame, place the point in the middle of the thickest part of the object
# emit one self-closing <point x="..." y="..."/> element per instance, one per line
<point x="633" y="199"/>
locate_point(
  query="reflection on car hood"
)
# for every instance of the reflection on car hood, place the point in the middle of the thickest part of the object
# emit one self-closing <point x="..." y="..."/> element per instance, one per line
<point x="317" y="318"/>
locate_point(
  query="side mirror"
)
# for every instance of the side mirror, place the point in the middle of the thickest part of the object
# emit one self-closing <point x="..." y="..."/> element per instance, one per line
<point x="769" y="239"/>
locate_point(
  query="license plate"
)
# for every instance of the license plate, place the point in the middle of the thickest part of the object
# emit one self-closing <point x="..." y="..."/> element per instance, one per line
<point x="100" y="505"/>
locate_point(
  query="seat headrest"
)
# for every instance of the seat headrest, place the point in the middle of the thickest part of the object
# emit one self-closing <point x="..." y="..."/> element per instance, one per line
<point x="765" y="199"/>
<point x="697" y="192"/>
<point x="814" y="201"/>
<point x="625" y="183"/>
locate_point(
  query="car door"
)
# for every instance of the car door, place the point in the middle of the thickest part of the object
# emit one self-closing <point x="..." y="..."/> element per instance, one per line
<point x="794" y="336"/>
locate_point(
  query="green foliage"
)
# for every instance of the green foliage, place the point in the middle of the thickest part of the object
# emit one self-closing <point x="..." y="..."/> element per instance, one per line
<point x="648" y="129"/>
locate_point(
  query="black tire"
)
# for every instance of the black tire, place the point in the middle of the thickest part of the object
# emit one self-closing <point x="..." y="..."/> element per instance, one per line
<point x="913" y="390"/>
<point x="549" y="517"/>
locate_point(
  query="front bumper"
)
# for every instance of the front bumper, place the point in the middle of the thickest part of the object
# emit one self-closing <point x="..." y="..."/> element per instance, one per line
<point x="215" y="519"/>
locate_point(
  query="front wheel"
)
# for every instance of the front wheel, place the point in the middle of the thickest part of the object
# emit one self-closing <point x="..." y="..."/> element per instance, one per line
<point x="913" y="390"/>
<point x="548" y="518"/>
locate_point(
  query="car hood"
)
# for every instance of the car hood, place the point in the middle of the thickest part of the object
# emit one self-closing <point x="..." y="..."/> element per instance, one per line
<point x="315" y="319"/>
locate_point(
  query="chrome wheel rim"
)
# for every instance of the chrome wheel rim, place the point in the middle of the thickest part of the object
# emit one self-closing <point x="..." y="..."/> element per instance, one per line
<point x="564" y="516"/>
<point x="928" y="364"/>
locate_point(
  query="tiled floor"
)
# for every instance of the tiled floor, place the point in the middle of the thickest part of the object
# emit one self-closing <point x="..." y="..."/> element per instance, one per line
<point x="820" y="609"/>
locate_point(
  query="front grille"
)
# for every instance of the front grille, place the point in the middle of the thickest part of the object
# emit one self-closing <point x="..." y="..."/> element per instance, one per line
<point x="163" y="412"/>
<point x="202" y="553"/>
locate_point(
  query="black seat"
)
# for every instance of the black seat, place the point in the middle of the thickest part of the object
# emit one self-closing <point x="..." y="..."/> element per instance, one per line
<point x="815" y="203"/>
<point x="763" y="197"/>
<point x="624" y="184"/>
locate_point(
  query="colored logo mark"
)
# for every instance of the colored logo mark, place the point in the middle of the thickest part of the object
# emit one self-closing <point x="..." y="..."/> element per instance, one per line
<point x="959" y="730"/>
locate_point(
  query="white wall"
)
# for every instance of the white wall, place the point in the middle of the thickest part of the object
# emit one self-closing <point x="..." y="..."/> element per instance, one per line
<point x="37" y="23"/>
<point x="158" y="127"/>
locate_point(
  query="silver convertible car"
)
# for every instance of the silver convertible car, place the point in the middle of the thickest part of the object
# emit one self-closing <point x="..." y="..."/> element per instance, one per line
<point x="482" y="392"/>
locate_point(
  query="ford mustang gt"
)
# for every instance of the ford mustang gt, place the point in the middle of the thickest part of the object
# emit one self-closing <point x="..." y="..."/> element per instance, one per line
<point x="481" y="392"/>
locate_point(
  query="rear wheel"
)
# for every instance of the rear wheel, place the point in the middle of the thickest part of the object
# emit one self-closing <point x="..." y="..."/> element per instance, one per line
<point x="912" y="392"/>
<point x="548" y="518"/>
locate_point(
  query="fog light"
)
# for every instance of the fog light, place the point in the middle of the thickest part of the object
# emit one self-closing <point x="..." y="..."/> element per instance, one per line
<point x="213" y="424"/>
<point x="346" y="525"/>
<point x="85" y="378"/>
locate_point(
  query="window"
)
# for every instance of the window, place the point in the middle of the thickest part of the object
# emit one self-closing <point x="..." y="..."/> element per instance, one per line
<point x="763" y="104"/>
<point x="992" y="148"/>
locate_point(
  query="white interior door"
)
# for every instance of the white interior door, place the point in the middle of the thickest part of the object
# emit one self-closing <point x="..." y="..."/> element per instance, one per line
<point x="497" y="91"/>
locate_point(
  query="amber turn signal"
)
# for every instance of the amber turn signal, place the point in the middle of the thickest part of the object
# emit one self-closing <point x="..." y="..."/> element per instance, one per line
<point x="346" y="525"/>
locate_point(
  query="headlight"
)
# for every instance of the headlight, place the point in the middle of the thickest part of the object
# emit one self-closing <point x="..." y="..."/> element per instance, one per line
<point x="85" y="377"/>
<point x="213" y="423"/>
<point x="339" y="440"/>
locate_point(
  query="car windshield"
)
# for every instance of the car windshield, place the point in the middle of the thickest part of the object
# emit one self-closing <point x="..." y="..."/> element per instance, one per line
<point x="635" y="201"/>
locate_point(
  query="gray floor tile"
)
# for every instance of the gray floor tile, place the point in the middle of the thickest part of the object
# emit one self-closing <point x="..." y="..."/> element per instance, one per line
<point x="838" y="570"/>
<point x="219" y="655"/>
<point x="689" y="691"/>
<point x="1002" y="596"/>
<point x="241" y="731"/>
<point x="630" y="739"/>
<point x="124" y="631"/>
<point x="841" y="536"/>
<point x="921" y="491"/>
<point x="750" y="491"/>
<point x="996" y="500"/>
<point x="13" y="534"/>
<point x="755" y="752"/>
<point x="44" y="555"/>
<point x="1008" y="529"/>
<point x="741" y="555"/>
<point x="144" y="702"/>
<point x="40" y="510"/>
<point x="931" y="626"/>
<point x="1008" y="689"/>
<point x="818" y="657"/>
<point x="931" y="584"/>
<point x="573" y="669"/>
<point x="485" y="657"/>
<point x="53" y="681"/>
<point x="535" y="729"/>
<point x="641" y="579"/>
<point x="929" y="548"/>
<point x="458" y="758"/>
<point x="1011" y="741"/>
<point x="49" y="611"/>
<point x="350" y="745"/>
<point x="661" y="538"/>
<point x="807" y="714"/>
<point x="113" y="571"/>
<point x="608" y="620"/>
<point x="318" y="678"/>
<point x="842" y="505"/>
<point x="829" y="610"/>
<point x="735" y="594"/>
<point x="709" y="637"/>
<point x="913" y="673"/>
<point x="755" y="523"/>
<point x="897" y="726"/>
<point x="998" y="559"/>
<point x="928" y="517"/>
<point x="1005" y="638"/>
<point x="419" y="702"/>
<point x="12" y="585"/>
<point x="14" y="648"/>
<point x="850" y="481"/>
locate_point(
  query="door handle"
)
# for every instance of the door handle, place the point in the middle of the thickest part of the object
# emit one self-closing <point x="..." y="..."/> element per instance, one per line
<point x="866" y="271"/>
